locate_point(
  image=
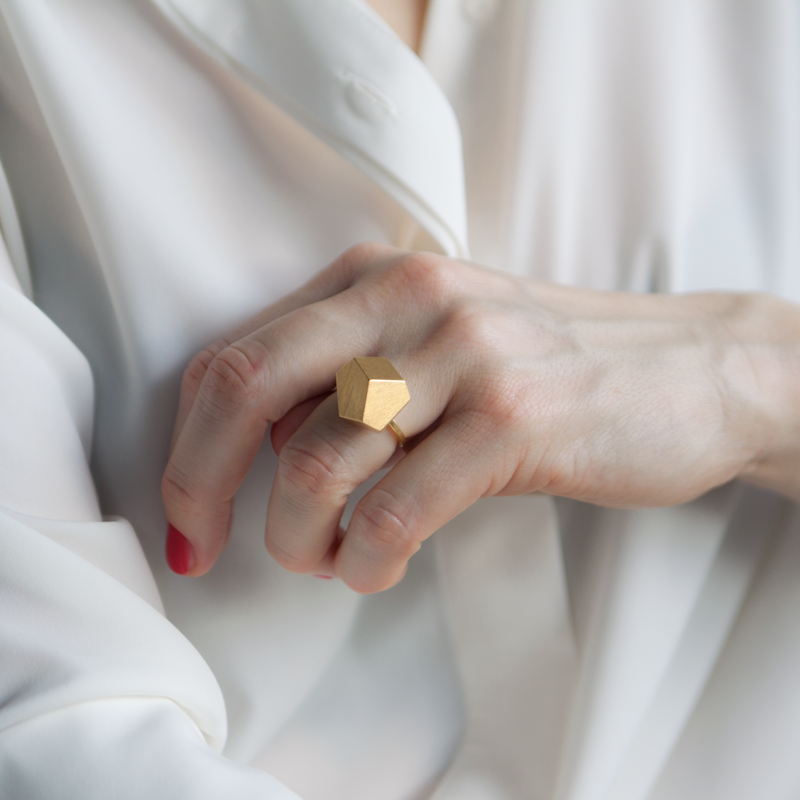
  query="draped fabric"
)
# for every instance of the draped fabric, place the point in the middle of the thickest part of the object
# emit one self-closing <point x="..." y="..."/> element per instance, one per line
<point x="173" y="166"/>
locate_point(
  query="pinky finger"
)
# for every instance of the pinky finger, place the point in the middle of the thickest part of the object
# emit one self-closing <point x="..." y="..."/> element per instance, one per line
<point x="436" y="481"/>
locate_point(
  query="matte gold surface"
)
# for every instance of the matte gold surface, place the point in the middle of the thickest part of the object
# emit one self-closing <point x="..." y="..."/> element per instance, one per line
<point x="395" y="429"/>
<point x="371" y="391"/>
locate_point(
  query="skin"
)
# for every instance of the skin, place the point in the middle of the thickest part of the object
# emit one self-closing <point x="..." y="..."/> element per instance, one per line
<point x="517" y="386"/>
<point x="407" y="17"/>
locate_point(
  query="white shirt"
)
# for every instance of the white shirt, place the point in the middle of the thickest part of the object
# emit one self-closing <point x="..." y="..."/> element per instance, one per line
<point x="174" y="167"/>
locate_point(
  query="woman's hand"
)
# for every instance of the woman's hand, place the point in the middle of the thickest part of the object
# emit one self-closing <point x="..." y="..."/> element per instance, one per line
<point x="516" y="386"/>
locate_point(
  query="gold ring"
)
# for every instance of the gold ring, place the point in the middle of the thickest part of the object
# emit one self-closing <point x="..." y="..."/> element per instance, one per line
<point x="372" y="392"/>
<point x="399" y="435"/>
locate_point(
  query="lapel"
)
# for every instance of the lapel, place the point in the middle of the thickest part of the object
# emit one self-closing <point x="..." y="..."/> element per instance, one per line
<point x="339" y="71"/>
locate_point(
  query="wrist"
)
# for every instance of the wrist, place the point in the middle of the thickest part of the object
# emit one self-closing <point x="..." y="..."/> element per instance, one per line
<point x="759" y="372"/>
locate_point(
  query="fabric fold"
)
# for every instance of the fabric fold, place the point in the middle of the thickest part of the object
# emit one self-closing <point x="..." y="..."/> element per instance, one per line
<point x="72" y="634"/>
<point x="127" y="748"/>
<point x="674" y="580"/>
<point x="505" y="594"/>
<point x="339" y="71"/>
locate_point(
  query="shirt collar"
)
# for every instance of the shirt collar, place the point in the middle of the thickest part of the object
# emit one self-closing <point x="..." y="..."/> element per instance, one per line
<point x="339" y="71"/>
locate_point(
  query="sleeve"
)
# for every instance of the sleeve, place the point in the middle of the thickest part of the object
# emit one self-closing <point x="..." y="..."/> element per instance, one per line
<point x="100" y="695"/>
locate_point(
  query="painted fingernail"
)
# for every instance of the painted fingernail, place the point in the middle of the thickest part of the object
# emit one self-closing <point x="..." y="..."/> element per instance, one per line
<point x="180" y="553"/>
<point x="325" y="577"/>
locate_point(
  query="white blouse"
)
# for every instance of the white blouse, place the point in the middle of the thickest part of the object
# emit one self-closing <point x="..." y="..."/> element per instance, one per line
<point x="172" y="166"/>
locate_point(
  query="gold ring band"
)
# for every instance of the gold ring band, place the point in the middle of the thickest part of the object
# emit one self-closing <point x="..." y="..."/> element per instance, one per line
<point x="372" y="392"/>
<point x="395" y="429"/>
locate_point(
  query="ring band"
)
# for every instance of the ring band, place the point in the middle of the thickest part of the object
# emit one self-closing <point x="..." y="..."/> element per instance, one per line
<point x="395" y="429"/>
<point x="372" y="392"/>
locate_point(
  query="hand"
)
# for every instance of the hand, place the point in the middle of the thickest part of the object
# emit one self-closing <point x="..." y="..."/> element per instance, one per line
<point x="516" y="386"/>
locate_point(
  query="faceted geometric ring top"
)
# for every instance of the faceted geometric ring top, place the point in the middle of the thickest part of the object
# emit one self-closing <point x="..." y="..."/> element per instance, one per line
<point x="372" y="392"/>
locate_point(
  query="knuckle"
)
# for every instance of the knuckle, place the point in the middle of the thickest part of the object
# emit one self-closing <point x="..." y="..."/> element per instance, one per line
<point x="501" y="410"/>
<point x="427" y="279"/>
<point x="388" y="523"/>
<point x="476" y="329"/>
<point x="233" y="380"/>
<point x="196" y="370"/>
<point x="362" y="252"/>
<point x="316" y="470"/>
<point x="507" y="405"/>
<point x="360" y="257"/>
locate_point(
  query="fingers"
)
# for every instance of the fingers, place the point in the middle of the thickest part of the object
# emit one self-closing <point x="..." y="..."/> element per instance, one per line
<point x="318" y="468"/>
<point x="248" y="384"/>
<point x="234" y="391"/>
<point x="322" y="463"/>
<point x="443" y="475"/>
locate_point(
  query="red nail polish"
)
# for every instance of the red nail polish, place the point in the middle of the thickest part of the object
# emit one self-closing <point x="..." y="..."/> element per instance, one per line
<point x="180" y="554"/>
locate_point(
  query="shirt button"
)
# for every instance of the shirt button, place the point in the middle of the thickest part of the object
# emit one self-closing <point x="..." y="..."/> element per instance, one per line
<point x="479" y="10"/>
<point x="366" y="100"/>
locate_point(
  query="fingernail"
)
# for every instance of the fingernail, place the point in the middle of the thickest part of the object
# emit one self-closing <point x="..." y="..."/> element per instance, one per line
<point x="180" y="553"/>
<point x="325" y="577"/>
